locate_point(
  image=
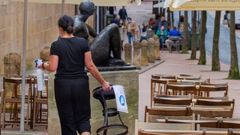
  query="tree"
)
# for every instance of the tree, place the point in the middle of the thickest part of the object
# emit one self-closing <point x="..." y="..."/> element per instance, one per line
<point x="194" y="36"/>
<point x="172" y="18"/>
<point x="185" y="33"/>
<point x="234" y="69"/>
<point x="215" y="49"/>
<point x="202" y="58"/>
<point x="169" y="17"/>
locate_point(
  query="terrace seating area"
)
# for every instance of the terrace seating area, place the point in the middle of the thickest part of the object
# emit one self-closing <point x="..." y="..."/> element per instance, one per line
<point x="188" y="105"/>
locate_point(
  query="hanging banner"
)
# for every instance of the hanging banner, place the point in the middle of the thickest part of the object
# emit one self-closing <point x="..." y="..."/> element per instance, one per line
<point x="209" y="5"/>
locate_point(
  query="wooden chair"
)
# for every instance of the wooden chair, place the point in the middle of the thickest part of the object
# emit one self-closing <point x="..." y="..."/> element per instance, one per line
<point x="165" y="112"/>
<point x="1" y="105"/>
<point x="163" y="76"/>
<point x="172" y="100"/>
<point x="174" y="132"/>
<point x="11" y="101"/>
<point x="205" y="89"/>
<point x="158" y="87"/>
<point x="230" y="124"/>
<point x="231" y="132"/>
<point x="181" y="89"/>
<point x="40" y="98"/>
<point x="213" y="108"/>
<point x="188" y="77"/>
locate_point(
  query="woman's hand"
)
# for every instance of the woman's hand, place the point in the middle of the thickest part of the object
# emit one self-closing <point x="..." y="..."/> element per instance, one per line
<point x="106" y="86"/>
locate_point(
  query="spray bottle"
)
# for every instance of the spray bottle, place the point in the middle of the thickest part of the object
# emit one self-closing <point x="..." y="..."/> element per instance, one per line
<point x="40" y="75"/>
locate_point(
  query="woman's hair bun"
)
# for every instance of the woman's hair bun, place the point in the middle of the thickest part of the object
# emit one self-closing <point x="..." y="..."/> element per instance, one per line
<point x="69" y="29"/>
<point x="66" y="23"/>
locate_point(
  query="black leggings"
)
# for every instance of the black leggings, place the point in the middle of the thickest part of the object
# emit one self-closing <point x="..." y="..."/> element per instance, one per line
<point x="73" y="104"/>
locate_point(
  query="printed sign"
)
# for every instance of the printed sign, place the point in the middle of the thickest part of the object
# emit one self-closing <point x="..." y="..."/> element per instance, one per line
<point x="120" y="98"/>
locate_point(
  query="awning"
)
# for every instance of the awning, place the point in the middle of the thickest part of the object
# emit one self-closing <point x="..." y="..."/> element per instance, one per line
<point x="209" y="5"/>
<point x="96" y="2"/>
<point x="174" y="3"/>
<point x="159" y="5"/>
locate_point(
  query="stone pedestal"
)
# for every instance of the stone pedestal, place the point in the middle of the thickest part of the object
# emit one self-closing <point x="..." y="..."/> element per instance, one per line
<point x="12" y="65"/>
<point x="137" y="54"/>
<point x="128" y="53"/>
<point x="127" y="78"/>
<point x="151" y="51"/>
<point x="144" y="51"/>
<point x="156" y="47"/>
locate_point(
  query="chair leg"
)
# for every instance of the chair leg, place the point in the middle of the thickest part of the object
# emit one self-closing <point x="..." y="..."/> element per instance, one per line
<point x="120" y="119"/>
<point x="34" y="112"/>
<point x="4" y="114"/>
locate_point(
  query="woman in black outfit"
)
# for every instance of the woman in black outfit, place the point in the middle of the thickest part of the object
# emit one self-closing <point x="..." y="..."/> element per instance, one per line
<point x="69" y="55"/>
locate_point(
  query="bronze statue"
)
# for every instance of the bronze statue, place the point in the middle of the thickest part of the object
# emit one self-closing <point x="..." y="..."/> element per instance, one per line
<point x="106" y="47"/>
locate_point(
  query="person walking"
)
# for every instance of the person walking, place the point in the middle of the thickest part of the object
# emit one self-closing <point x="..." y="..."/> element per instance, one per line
<point x="69" y="56"/>
<point x="123" y="15"/>
<point x="132" y="30"/>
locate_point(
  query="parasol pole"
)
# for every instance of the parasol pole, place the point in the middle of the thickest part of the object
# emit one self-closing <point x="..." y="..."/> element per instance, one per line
<point x="23" y="86"/>
<point x="63" y="3"/>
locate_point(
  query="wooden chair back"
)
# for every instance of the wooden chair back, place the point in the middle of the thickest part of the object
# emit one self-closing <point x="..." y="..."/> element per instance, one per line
<point x="231" y="132"/>
<point x="1" y="105"/>
<point x="227" y="111"/>
<point x="212" y="102"/>
<point x="158" y="87"/>
<point x="230" y="124"/>
<point x="205" y="89"/>
<point x="159" y="76"/>
<point x="188" y="77"/>
<point x="181" y="89"/>
<point x="180" y="132"/>
<point x="165" y="112"/>
<point x="173" y="101"/>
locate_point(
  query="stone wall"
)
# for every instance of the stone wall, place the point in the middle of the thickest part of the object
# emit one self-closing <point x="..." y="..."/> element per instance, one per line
<point x="42" y="28"/>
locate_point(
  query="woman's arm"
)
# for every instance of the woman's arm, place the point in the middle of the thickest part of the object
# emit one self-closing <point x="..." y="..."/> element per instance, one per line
<point x="52" y="65"/>
<point x="94" y="71"/>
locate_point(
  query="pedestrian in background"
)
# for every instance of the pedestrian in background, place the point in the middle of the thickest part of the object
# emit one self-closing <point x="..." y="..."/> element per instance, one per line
<point x="123" y="15"/>
<point x="111" y="10"/>
<point x="162" y="33"/>
<point x="174" y="39"/>
<point x="132" y="30"/>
